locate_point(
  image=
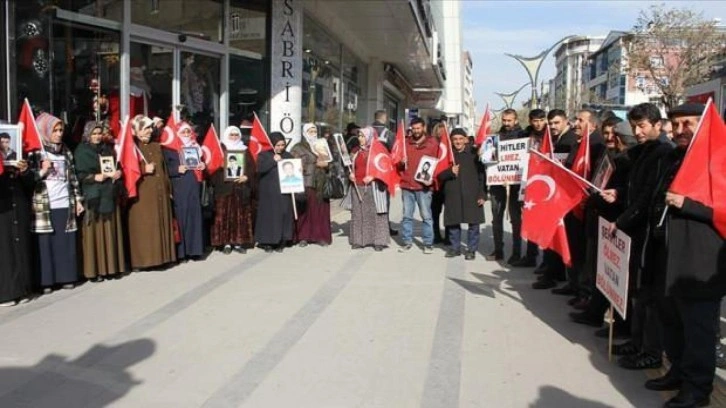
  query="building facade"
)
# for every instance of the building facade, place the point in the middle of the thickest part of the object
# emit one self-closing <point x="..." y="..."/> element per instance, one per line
<point x="571" y="58"/>
<point x="469" y="116"/>
<point x="217" y="61"/>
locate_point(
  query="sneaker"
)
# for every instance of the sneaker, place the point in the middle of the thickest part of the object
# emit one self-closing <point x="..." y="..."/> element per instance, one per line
<point x="404" y="248"/>
<point x="452" y="253"/>
<point x="9" y="304"/>
<point x="470" y="256"/>
<point x="495" y="256"/>
<point x="227" y="249"/>
<point x="428" y="250"/>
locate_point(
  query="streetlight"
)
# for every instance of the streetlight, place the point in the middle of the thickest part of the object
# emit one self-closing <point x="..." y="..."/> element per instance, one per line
<point x="509" y="98"/>
<point x="533" y="65"/>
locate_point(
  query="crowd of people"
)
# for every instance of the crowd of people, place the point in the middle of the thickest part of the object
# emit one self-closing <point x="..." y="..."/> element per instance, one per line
<point x="66" y="217"/>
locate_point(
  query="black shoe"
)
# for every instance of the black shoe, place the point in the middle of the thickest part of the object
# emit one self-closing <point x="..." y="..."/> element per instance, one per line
<point x="541" y="269"/>
<point x="513" y="259"/>
<point x="618" y="332"/>
<point x="495" y="256"/>
<point x="392" y="232"/>
<point x="565" y="291"/>
<point x="356" y="247"/>
<point x="640" y="361"/>
<point x="470" y="256"/>
<point x="240" y="250"/>
<point x="452" y="253"/>
<point x="525" y="262"/>
<point x="666" y="383"/>
<point x="586" y="319"/>
<point x="379" y="248"/>
<point x="625" y="349"/>
<point x="279" y="248"/>
<point x="687" y="400"/>
<point x="720" y="355"/>
<point x="438" y="239"/>
<point x="227" y="249"/>
<point x="544" y="284"/>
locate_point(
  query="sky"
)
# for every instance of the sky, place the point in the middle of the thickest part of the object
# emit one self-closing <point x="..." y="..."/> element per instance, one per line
<point x="493" y="27"/>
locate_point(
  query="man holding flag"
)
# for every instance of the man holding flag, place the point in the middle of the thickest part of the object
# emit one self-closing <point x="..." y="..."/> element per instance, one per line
<point x="417" y="193"/>
<point x="689" y="247"/>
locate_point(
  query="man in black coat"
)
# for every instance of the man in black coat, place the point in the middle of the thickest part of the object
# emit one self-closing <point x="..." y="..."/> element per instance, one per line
<point x="645" y="348"/>
<point x="692" y="254"/>
<point x="464" y="187"/>
<point x="500" y="197"/>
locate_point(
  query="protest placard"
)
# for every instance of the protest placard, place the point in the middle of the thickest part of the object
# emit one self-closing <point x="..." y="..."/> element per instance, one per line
<point x="512" y="155"/>
<point x="613" y="260"/>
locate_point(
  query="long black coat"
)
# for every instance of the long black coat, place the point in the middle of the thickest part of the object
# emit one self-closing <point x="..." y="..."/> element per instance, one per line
<point x="274" y="223"/>
<point x="16" y="279"/>
<point x="462" y="192"/>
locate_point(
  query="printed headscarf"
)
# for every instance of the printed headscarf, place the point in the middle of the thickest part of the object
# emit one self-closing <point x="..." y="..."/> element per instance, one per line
<point x="308" y="138"/>
<point x="230" y="144"/>
<point x="187" y="141"/>
<point x="369" y="134"/>
<point x="89" y="128"/>
<point x="140" y="122"/>
<point x="46" y="122"/>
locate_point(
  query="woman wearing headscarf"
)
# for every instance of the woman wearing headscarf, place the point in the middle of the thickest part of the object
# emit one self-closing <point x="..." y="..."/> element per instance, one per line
<point x="186" y="189"/>
<point x="274" y="223"/>
<point x="16" y="188"/>
<point x="101" y="231"/>
<point x="313" y="224"/>
<point x="234" y="194"/>
<point x="150" y="231"/>
<point x="57" y="201"/>
<point x="369" y="219"/>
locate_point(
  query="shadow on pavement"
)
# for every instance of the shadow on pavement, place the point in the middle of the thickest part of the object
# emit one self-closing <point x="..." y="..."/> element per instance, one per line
<point x="550" y="397"/>
<point x="95" y="379"/>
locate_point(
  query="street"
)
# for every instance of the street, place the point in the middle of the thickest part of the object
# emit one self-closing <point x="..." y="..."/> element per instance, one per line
<point x="313" y="327"/>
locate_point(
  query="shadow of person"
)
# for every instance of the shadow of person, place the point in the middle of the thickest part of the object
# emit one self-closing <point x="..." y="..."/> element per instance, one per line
<point x="550" y="396"/>
<point x="95" y="379"/>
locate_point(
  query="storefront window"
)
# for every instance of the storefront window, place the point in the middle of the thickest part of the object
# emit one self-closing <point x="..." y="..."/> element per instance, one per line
<point x="151" y="78"/>
<point x="248" y="26"/>
<point x="64" y="68"/>
<point x="247" y="89"/>
<point x="321" y="77"/>
<point x="193" y="18"/>
<point x="354" y="72"/>
<point x="199" y="93"/>
<point x="108" y="9"/>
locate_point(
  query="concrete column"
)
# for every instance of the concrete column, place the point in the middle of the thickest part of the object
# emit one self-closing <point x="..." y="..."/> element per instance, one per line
<point x="374" y="91"/>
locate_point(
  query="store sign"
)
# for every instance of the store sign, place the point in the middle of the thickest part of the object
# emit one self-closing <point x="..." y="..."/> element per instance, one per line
<point x="286" y="69"/>
<point x="241" y="29"/>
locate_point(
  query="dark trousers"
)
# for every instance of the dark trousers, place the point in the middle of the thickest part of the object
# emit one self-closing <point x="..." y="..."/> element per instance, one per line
<point x="58" y="252"/>
<point x="576" y="240"/>
<point x="472" y="237"/>
<point x="437" y="207"/>
<point x="554" y="267"/>
<point x="690" y="328"/>
<point x="646" y="326"/>
<point x="498" y="195"/>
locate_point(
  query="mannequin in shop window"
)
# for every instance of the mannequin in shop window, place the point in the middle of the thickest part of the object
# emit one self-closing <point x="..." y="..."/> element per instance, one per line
<point x="139" y="96"/>
<point x="192" y="88"/>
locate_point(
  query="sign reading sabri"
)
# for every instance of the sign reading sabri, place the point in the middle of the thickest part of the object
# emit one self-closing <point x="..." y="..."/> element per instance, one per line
<point x="613" y="259"/>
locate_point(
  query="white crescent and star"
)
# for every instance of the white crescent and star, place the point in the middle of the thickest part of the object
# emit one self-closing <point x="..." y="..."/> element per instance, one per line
<point x="549" y="181"/>
<point x="169" y="136"/>
<point x="207" y="154"/>
<point x="257" y="142"/>
<point x="444" y="151"/>
<point x="377" y="162"/>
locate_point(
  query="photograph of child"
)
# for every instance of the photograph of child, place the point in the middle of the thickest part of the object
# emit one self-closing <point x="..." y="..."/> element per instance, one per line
<point x="290" y="173"/>
<point x="234" y="164"/>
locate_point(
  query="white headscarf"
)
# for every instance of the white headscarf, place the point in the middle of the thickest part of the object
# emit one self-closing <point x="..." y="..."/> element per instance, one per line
<point x="186" y="141"/>
<point x="233" y="145"/>
<point x="310" y="139"/>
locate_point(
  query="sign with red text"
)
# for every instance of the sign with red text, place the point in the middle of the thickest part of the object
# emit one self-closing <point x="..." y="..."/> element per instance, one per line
<point x="613" y="260"/>
<point x="512" y="156"/>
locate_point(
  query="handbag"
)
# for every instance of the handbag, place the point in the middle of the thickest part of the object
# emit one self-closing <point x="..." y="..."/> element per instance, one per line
<point x="333" y="189"/>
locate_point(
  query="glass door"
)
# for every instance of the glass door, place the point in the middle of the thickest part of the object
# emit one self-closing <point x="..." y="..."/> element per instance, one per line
<point x="151" y="79"/>
<point x="199" y="93"/>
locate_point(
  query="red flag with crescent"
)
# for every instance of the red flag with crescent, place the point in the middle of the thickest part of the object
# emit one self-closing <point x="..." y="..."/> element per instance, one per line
<point x="398" y="152"/>
<point x="702" y="176"/>
<point x="380" y="166"/>
<point x="28" y="129"/>
<point x="168" y="137"/>
<point x="547" y="147"/>
<point x="259" y="141"/>
<point x="484" y="128"/>
<point x="549" y="195"/>
<point x="212" y="149"/>
<point x="446" y="154"/>
<point x="581" y="164"/>
<point x="128" y="159"/>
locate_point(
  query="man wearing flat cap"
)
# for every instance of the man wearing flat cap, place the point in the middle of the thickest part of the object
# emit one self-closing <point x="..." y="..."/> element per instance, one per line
<point x="689" y="259"/>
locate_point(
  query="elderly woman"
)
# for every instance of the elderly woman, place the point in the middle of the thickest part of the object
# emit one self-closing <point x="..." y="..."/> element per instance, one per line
<point x="150" y="231"/>
<point x="101" y="231"/>
<point x="235" y="201"/>
<point x="274" y="222"/>
<point x="16" y="188"/>
<point x="186" y="189"/>
<point x="57" y="201"/>
<point x="313" y="224"/>
<point x="369" y="219"/>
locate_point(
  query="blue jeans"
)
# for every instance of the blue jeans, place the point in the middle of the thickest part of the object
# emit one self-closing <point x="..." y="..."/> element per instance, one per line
<point x="472" y="237"/>
<point x="423" y="200"/>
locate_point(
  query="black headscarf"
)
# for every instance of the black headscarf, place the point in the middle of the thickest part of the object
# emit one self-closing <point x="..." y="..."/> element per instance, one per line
<point x="276" y="137"/>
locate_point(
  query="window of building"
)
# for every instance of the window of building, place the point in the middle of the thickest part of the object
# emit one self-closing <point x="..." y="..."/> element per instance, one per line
<point x="656" y="62"/>
<point x="193" y="18"/>
<point x="248" y="26"/>
<point x="108" y="9"/>
<point x="640" y="81"/>
<point x="321" y="77"/>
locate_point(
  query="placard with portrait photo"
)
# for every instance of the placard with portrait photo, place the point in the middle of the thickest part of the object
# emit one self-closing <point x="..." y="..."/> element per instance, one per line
<point x="108" y="165"/>
<point x="234" y="164"/>
<point x="342" y="149"/>
<point x="11" y="145"/>
<point x="489" y="151"/>
<point x="425" y="170"/>
<point x="322" y="150"/>
<point x="190" y="157"/>
<point x="291" y="176"/>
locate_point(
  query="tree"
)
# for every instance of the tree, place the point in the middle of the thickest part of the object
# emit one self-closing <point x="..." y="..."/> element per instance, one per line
<point x="675" y="48"/>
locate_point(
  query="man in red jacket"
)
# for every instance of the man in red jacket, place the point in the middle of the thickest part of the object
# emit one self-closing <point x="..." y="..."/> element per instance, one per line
<point x="417" y="192"/>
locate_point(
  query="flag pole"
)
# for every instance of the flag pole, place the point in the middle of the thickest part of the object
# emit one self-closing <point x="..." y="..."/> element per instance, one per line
<point x="572" y="173"/>
<point x="611" y="322"/>
<point x="357" y="191"/>
<point x="294" y="206"/>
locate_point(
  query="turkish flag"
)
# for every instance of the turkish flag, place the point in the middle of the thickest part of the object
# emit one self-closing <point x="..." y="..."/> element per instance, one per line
<point x="380" y="166"/>
<point x="259" y="141"/>
<point x="485" y="127"/>
<point x="550" y="193"/>
<point x="398" y="152"/>
<point x="2" y="167"/>
<point x="446" y="154"/>
<point x="168" y="137"/>
<point x="129" y="159"/>
<point x="213" y="154"/>
<point x="581" y="164"/>
<point x="702" y="176"/>
<point x="547" y="147"/>
<point x="28" y="129"/>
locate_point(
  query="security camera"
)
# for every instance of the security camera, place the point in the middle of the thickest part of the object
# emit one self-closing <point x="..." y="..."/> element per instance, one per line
<point x="182" y="37"/>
